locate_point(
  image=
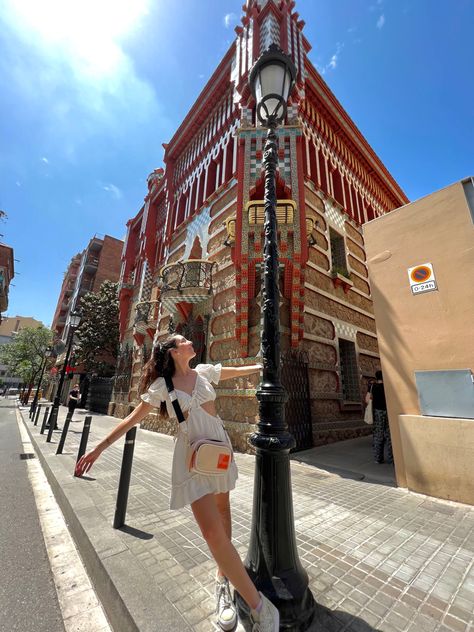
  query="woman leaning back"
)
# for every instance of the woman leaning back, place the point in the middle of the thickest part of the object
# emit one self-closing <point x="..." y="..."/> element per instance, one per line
<point x="207" y="495"/>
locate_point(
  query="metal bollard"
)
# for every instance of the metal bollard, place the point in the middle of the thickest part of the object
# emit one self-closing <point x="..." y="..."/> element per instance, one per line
<point x="45" y="420"/>
<point x="125" y="475"/>
<point x="84" y="437"/>
<point x="53" y="420"/>
<point x="31" y="414"/>
<point x="64" y="433"/>
<point x="38" y="408"/>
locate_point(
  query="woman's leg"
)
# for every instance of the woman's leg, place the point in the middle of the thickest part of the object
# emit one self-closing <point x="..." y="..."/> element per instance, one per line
<point x="377" y="437"/>
<point x="223" y="507"/>
<point x="223" y="551"/>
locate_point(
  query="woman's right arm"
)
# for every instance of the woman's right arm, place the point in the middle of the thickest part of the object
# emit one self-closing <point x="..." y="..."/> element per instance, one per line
<point x="86" y="462"/>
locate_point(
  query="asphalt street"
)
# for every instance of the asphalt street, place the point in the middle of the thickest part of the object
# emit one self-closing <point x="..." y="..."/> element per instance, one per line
<point x="28" y="599"/>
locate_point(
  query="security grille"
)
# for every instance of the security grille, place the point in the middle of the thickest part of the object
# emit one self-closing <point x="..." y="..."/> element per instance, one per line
<point x="338" y="251"/>
<point x="349" y="371"/>
<point x="295" y="378"/>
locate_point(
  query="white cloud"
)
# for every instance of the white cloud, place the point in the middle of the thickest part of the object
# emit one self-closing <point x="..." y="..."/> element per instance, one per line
<point x="72" y="54"/>
<point x="332" y="63"/>
<point x="381" y="21"/>
<point x="228" y="19"/>
<point x="114" y="190"/>
<point x="45" y="160"/>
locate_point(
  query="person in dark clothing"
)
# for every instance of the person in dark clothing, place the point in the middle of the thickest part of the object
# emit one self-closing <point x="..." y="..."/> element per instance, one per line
<point x="73" y="400"/>
<point x="381" y="433"/>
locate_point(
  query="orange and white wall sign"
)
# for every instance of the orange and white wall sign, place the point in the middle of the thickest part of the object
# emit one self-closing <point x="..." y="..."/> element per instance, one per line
<point x="422" y="278"/>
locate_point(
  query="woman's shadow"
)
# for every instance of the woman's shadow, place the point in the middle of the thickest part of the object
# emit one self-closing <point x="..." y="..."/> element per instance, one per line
<point x="326" y="620"/>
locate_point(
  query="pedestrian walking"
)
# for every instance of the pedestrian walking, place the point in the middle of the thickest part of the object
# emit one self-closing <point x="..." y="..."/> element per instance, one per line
<point x="73" y="401"/>
<point x="170" y="384"/>
<point x="381" y="429"/>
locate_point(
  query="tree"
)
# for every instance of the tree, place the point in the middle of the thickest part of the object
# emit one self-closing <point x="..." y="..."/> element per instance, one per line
<point x="24" y="355"/>
<point x="98" y="333"/>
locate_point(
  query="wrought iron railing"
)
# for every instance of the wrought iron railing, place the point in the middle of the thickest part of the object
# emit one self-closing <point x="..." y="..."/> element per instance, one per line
<point x="145" y="312"/>
<point x="187" y="275"/>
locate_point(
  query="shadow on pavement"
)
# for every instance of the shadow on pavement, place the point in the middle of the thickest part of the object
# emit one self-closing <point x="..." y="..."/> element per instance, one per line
<point x="337" y="620"/>
<point x="350" y="459"/>
<point x="136" y="533"/>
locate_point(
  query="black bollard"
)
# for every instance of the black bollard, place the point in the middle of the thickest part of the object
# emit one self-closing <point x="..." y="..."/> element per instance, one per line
<point x="45" y="420"/>
<point x="84" y="437"/>
<point x="64" y="433"/>
<point x="125" y="475"/>
<point x="53" y="420"/>
<point x="38" y="408"/>
<point x="31" y="414"/>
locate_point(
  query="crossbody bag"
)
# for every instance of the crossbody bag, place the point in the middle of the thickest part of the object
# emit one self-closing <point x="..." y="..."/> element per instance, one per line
<point x="205" y="456"/>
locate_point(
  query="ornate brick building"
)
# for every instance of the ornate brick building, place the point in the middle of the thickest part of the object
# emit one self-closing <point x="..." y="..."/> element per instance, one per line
<point x="192" y="258"/>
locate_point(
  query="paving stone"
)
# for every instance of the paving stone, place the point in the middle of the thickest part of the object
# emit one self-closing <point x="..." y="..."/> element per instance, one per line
<point x="378" y="558"/>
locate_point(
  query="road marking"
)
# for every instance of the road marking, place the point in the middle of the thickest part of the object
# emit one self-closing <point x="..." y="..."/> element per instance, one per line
<point x="80" y="606"/>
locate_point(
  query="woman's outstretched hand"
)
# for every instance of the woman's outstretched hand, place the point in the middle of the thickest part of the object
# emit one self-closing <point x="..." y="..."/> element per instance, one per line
<point x="86" y="462"/>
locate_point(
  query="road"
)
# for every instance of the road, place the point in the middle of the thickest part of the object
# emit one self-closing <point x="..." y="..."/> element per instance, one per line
<point x="28" y="599"/>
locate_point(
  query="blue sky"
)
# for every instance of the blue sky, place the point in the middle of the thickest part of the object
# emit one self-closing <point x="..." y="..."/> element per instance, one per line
<point x="89" y="91"/>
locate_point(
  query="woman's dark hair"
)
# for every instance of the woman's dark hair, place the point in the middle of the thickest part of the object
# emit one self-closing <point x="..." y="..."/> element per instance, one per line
<point x="160" y="364"/>
<point x="378" y="375"/>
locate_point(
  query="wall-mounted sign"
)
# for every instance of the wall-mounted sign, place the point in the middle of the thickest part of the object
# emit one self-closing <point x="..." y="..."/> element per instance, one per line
<point x="422" y="278"/>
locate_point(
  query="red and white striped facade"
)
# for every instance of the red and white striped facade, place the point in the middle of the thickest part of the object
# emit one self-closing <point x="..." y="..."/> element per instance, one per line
<point x="204" y="205"/>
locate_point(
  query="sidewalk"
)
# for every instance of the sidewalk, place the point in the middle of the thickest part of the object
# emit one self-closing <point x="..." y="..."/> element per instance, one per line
<point x="378" y="557"/>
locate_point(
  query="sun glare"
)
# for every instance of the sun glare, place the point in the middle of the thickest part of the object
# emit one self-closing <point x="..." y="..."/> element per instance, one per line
<point x="89" y="30"/>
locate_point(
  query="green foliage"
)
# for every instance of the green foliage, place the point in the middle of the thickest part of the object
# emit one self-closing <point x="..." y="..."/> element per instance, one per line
<point x="98" y="333"/>
<point x="24" y="355"/>
<point x="341" y="270"/>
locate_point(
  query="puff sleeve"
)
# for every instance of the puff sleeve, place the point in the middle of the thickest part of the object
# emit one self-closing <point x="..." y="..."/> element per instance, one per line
<point x="156" y="393"/>
<point x="211" y="372"/>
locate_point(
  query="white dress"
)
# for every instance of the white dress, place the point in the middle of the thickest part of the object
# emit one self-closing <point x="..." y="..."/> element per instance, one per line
<point x="188" y="486"/>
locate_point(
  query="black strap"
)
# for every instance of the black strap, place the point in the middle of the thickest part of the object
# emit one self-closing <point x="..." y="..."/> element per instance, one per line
<point x="174" y="399"/>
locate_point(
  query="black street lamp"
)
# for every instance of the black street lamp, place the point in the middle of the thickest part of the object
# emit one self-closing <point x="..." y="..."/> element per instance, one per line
<point x="48" y="353"/>
<point x="272" y="560"/>
<point x="74" y="322"/>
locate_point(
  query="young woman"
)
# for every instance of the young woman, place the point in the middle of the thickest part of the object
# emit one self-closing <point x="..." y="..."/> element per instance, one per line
<point x="207" y="495"/>
<point x="73" y="400"/>
<point x="381" y="434"/>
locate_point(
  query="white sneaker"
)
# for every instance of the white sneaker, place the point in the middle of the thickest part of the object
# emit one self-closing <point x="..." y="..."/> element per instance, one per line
<point x="225" y="607"/>
<point x="267" y="620"/>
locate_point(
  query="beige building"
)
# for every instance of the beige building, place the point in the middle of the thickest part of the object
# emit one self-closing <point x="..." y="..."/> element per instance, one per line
<point x="10" y="326"/>
<point x="421" y="266"/>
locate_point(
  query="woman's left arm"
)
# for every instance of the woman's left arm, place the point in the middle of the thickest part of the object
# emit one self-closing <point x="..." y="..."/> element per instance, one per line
<point x="228" y="372"/>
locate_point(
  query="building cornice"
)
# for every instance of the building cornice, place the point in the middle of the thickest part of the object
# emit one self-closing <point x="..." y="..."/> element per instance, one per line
<point x="353" y="134"/>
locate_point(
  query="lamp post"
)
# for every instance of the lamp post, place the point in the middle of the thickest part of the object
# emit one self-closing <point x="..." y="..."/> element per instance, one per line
<point x="47" y="355"/>
<point x="272" y="560"/>
<point x="74" y="322"/>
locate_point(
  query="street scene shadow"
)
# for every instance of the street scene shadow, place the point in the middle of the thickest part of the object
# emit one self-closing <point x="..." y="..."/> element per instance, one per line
<point x="350" y="459"/>
<point x="136" y="533"/>
<point x="327" y="620"/>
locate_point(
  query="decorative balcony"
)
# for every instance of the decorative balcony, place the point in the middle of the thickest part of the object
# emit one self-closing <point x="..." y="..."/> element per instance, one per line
<point x="188" y="281"/>
<point x="145" y="317"/>
<point x="285" y="211"/>
<point x="86" y="286"/>
<point x="91" y="263"/>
